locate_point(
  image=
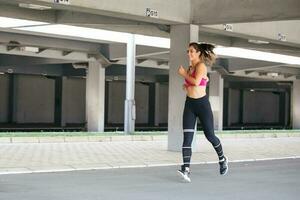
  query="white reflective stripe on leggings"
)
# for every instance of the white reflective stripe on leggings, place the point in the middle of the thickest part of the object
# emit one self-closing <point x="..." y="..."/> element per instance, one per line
<point x="217" y="145"/>
<point x="188" y="130"/>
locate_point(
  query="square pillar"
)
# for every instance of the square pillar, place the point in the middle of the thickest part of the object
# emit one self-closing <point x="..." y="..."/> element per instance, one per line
<point x="181" y="36"/>
<point x="156" y="106"/>
<point x="296" y="104"/>
<point x="130" y="108"/>
<point x="95" y="97"/>
<point x="216" y="87"/>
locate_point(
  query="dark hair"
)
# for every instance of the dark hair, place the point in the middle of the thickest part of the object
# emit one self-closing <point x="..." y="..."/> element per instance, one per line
<point x="206" y="52"/>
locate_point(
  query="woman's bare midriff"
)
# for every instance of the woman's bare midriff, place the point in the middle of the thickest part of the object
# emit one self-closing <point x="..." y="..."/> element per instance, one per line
<point x="196" y="92"/>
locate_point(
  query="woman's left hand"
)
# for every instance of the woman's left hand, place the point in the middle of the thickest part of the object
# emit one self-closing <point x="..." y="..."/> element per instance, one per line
<point x="182" y="71"/>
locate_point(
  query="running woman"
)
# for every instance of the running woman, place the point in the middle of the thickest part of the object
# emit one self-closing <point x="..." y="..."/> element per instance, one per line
<point x="197" y="105"/>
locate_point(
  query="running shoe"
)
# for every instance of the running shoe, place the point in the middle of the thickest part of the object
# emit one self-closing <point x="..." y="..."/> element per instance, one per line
<point x="223" y="166"/>
<point x="184" y="173"/>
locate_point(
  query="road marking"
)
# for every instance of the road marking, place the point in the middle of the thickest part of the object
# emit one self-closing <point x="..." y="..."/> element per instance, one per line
<point x="139" y="166"/>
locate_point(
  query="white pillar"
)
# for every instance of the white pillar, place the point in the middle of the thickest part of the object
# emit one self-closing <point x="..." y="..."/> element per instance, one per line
<point x="216" y="86"/>
<point x="129" y="118"/>
<point x="296" y="104"/>
<point x="95" y="97"/>
<point x="181" y="36"/>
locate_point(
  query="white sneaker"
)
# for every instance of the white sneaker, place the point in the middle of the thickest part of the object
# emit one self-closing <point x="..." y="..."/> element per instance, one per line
<point x="185" y="174"/>
<point x="224" y="166"/>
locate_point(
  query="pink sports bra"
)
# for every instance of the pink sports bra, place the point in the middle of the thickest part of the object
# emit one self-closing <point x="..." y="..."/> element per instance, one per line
<point x="203" y="81"/>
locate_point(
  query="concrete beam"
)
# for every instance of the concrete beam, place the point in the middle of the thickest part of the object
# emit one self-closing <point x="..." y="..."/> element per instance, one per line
<point x="45" y="70"/>
<point x="85" y="20"/>
<point x="183" y="11"/>
<point x="75" y="18"/>
<point x="215" y="34"/>
<point x="268" y="30"/>
<point x="120" y="70"/>
<point x="168" y="11"/>
<point x="50" y="53"/>
<point x="292" y="49"/>
<point x="230" y="11"/>
<point x="258" y="76"/>
<point x="118" y="51"/>
<point x="32" y="39"/>
<point x="284" y="69"/>
<point x="11" y="60"/>
<point x="66" y="50"/>
<point x="147" y="64"/>
<point x="7" y="9"/>
<point x="55" y="70"/>
<point x="208" y="34"/>
<point x="237" y="64"/>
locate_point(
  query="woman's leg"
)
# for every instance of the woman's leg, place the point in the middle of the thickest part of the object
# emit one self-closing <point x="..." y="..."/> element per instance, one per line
<point x="206" y="117"/>
<point x="189" y="120"/>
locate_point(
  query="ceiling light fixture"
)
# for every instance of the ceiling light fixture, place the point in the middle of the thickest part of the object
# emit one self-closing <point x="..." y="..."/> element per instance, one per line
<point x="6" y="22"/>
<point x="99" y="34"/>
<point x="34" y="6"/>
<point x="257" y="55"/>
<point x="258" y="41"/>
<point x="30" y="49"/>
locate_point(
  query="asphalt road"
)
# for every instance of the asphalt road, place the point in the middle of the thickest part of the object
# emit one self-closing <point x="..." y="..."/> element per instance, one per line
<point x="274" y="180"/>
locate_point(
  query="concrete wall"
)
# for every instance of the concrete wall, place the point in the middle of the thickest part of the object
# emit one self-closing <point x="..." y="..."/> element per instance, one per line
<point x="4" y="97"/>
<point x="116" y="96"/>
<point x="234" y="108"/>
<point x="163" y="103"/>
<point x="35" y="99"/>
<point x="74" y="100"/>
<point x="261" y="107"/>
<point x="35" y="102"/>
<point x="142" y="103"/>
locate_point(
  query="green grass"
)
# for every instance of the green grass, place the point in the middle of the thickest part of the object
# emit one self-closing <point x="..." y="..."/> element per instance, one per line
<point x="153" y="133"/>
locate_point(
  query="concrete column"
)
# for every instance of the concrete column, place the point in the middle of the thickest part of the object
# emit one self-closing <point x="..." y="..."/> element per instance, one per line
<point x="64" y="102"/>
<point x="181" y="36"/>
<point x="129" y="118"/>
<point x="95" y="97"/>
<point x="14" y="92"/>
<point x="296" y="104"/>
<point x="156" y="115"/>
<point x="216" y="85"/>
<point x="58" y="93"/>
<point x="11" y="97"/>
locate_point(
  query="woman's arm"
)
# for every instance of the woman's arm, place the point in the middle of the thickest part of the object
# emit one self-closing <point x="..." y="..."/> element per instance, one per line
<point x="200" y="73"/>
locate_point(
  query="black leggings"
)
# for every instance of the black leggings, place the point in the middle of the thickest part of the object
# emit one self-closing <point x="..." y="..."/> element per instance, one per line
<point x="198" y="108"/>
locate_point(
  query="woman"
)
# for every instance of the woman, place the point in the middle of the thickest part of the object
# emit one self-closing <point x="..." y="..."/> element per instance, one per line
<point x="197" y="105"/>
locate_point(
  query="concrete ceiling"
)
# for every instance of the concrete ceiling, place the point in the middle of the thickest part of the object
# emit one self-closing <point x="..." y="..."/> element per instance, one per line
<point x="251" y="19"/>
<point x="183" y="11"/>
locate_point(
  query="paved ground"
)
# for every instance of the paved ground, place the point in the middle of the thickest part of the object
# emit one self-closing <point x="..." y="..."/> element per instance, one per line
<point x="44" y="157"/>
<point x="276" y="180"/>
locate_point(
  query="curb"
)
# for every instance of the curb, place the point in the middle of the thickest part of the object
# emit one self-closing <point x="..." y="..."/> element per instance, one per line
<point x="71" y="139"/>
